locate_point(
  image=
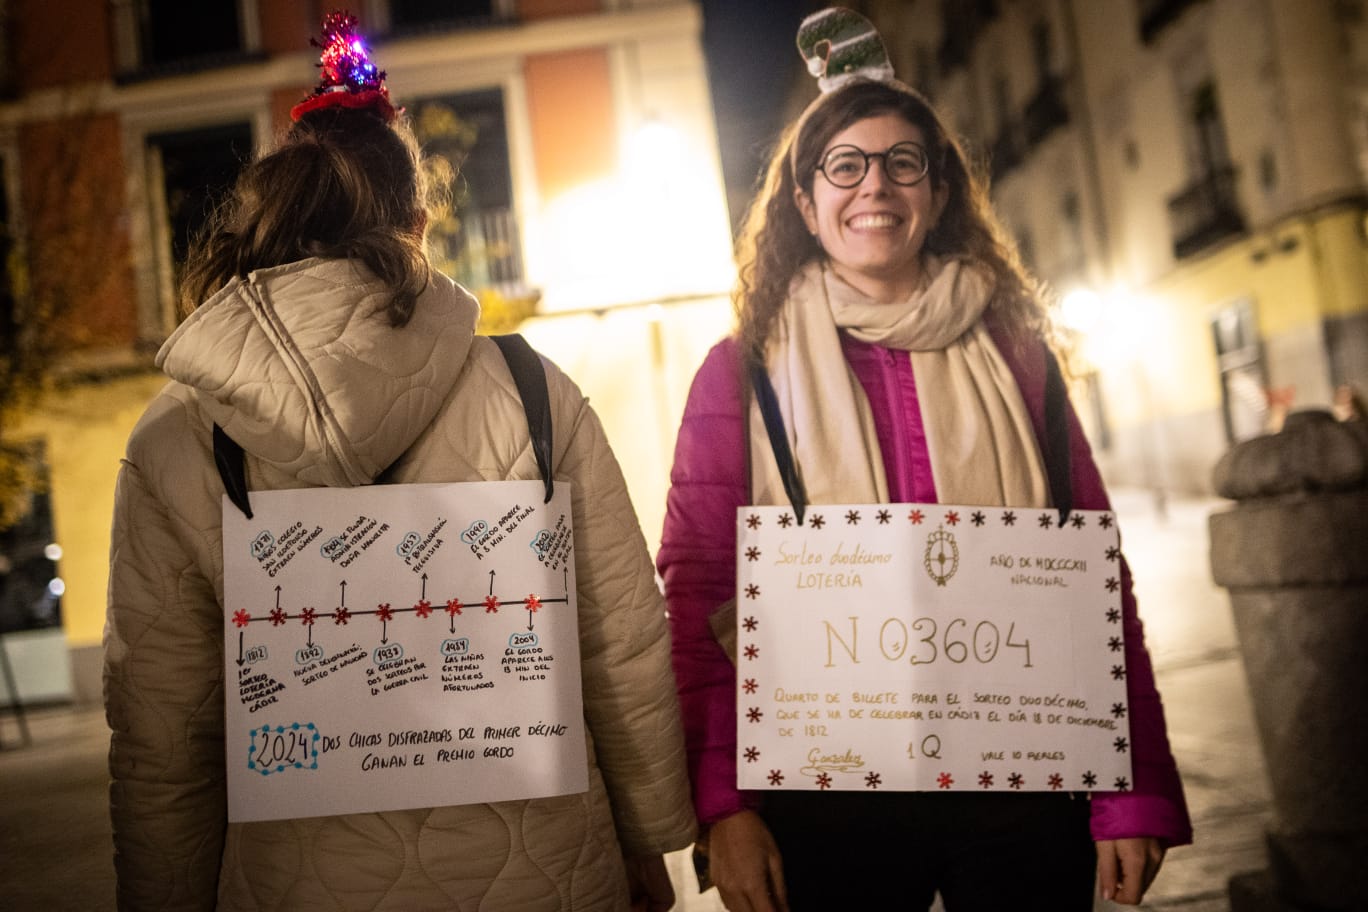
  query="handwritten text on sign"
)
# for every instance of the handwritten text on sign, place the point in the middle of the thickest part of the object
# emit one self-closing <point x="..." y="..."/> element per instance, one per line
<point x="918" y="647"/>
<point x="400" y="646"/>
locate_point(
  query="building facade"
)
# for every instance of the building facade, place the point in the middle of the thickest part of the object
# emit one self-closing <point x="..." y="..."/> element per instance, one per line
<point x="1188" y="177"/>
<point x="589" y="193"/>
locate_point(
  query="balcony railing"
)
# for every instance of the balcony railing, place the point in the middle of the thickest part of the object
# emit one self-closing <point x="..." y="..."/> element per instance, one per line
<point x="486" y="253"/>
<point x="1046" y="111"/>
<point x="1205" y="212"/>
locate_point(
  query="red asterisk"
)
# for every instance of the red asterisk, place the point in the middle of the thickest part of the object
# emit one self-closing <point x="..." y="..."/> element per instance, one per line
<point x="754" y="714"/>
<point x="775" y="777"/>
<point x="823" y="781"/>
<point x="241" y="617"/>
<point x="750" y="623"/>
<point x="454" y="607"/>
<point x="986" y="779"/>
<point x="1016" y="780"/>
<point x="752" y="754"/>
<point x="750" y="686"/>
<point x="752" y="651"/>
<point x="423" y="609"/>
<point x="533" y="603"/>
<point x="491" y="604"/>
<point x="1056" y="781"/>
<point x="307" y="616"/>
<point x="384" y="612"/>
<point x="277" y="617"/>
<point x="341" y="616"/>
<point x="945" y="780"/>
<point x="952" y="518"/>
<point x="873" y="781"/>
<point x="916" y="516"/>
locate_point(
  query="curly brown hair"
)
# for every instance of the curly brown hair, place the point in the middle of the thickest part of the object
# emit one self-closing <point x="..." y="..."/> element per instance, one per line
<point x="342" y="184"/>
<point x="775" y="243"/>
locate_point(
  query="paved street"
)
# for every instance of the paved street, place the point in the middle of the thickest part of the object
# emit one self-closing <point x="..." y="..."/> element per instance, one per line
<point x="55" y="843"/>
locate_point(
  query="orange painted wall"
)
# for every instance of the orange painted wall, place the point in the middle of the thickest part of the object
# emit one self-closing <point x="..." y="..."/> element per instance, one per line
<point x="570" y="103"/>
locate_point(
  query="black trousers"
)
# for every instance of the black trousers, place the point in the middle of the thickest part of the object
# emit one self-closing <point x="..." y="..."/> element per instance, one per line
<point x="895" y="850"/>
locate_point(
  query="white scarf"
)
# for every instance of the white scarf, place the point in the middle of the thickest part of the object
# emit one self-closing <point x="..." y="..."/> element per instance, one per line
<point x="983" y="449"/>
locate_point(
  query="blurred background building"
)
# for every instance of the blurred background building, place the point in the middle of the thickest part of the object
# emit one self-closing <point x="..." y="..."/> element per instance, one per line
<point x="1188" y="176"/>
<point x="590" y="209"/>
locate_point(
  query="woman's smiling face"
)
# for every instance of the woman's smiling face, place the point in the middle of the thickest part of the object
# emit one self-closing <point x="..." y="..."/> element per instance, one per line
<point x="873" y="233"/>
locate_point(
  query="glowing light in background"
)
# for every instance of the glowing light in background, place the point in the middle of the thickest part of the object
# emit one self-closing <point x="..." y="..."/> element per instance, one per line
<point x="53" y="552"/>
<point x="56" y="586"/>
<point x="655" y="229"/>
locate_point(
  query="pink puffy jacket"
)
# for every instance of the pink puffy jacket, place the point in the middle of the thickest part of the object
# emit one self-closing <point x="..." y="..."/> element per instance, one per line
<point x="698" y="553"/>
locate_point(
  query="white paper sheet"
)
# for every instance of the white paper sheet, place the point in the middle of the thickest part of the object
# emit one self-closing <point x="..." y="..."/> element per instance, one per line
<point x="400" y="646"/>
<point x="930" y="646"/>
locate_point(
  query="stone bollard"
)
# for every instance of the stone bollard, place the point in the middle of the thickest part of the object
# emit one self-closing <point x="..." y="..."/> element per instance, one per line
<point x="1293" y="554"/>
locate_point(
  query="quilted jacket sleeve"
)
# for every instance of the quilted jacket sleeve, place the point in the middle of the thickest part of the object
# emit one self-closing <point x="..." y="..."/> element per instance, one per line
<point x="164" y="700"/>
<point x="697" y="561"/>
<point x="629" y="691"/>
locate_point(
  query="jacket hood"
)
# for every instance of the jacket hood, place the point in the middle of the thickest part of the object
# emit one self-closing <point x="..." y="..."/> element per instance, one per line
<point x="299" y="365"/>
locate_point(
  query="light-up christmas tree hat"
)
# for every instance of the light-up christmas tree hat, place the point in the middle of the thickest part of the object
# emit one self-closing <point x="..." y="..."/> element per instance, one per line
<point x="350" y="79"/>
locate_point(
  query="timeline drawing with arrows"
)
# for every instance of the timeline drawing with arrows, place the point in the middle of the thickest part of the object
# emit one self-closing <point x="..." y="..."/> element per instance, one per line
<point x="400" y="646"/>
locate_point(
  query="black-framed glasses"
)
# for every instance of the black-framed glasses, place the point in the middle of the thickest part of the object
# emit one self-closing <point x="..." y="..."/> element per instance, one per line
<point x="905" y="164"/>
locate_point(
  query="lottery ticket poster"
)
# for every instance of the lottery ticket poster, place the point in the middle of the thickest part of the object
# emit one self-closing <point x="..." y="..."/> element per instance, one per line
<point x="920" y="647"/>
<point x="400" y="646"/>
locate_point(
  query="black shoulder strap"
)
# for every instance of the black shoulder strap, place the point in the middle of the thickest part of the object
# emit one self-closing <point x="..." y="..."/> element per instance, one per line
<point x="528" y="374"/>
<point x="530" y="377"/>
<point x="1058" y="465"/>
<point x="774" y="427"/>
<point x="232" y="469"/>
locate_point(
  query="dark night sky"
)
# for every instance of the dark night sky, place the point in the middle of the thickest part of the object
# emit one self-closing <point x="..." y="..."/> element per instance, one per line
<point x="752" y="65"/>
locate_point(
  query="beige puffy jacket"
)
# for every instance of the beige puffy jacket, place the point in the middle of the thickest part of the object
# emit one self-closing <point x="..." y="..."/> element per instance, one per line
<point x="298" y="367"/>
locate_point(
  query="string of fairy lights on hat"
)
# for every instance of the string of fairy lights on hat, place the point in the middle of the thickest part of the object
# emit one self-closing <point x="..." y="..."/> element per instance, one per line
<point x="350" y="79"/>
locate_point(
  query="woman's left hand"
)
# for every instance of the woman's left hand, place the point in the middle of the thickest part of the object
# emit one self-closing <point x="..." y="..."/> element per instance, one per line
<point x="1127" y="867"/>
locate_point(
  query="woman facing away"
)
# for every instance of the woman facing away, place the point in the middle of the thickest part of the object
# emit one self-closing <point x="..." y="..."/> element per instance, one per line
<point x="908" y="353"/>
<point x="323" y="343"/>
